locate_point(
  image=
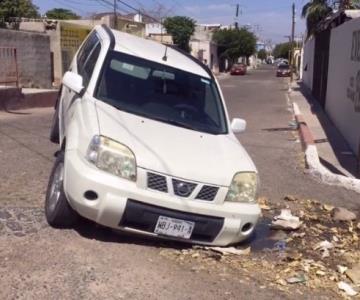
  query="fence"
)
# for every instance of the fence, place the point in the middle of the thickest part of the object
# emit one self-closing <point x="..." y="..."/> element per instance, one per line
<point x="8" y="66"/>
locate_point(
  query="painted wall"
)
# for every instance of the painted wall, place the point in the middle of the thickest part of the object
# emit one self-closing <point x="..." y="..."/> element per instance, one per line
<point x="343" y="92"/>
<point x="307" y="64"/>
<point x="33" y="53"/>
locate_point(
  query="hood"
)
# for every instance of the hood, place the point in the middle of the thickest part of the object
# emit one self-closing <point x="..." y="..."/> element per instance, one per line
<point x="175" y="151"/>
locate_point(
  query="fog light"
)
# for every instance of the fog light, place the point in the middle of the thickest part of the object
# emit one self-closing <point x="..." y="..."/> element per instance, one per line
<point x="247" y="227"/>
<point x="91" y="195"/>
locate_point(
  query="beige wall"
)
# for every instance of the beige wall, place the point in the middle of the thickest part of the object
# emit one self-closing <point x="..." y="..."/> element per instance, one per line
<point x="343" y="93"/>
<point x="307" y="65"/>
<point x="33" y="56"/>
<point x="206" y="52"/>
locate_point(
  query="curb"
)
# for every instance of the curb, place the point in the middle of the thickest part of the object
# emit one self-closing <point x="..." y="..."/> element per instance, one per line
<point x="314" y="166"/>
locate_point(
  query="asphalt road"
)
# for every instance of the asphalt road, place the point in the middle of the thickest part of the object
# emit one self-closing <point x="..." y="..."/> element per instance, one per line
<point x="89" y="262"/>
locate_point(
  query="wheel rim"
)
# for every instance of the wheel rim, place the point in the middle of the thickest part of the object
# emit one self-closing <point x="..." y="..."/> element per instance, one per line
<point x="56" y="187"/>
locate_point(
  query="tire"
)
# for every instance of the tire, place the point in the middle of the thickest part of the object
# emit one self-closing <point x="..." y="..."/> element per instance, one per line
<point x="54" y="131"/>
<point x="58" y="212"/>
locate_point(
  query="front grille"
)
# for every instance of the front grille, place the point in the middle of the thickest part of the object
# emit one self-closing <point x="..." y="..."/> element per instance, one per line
<point x="207" y="193"/>
<point x="157" y="182"/>
<point x="183" y="188"/>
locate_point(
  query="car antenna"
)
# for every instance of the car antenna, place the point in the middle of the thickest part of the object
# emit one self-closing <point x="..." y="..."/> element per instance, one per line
<point x="165" y="55"/>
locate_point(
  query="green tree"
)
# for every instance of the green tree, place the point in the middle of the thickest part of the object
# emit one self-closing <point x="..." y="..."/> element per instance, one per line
<point x="61" y="14"/>
<point x="262" y="54"/>
<point x="282" y="50"/>
<point x="314" y="12"/>
<point x="181" y="29"/>
<point x="234" y="43"/>
<point x="11" y="9"/>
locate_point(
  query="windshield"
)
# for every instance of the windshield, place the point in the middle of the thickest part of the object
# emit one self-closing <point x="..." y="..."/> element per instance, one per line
<point x="162" y="93"/>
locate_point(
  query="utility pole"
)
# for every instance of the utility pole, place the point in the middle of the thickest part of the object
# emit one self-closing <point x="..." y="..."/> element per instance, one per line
<point x="237" y="16"/>
<point x="115" y="16"/>
<point x="292" y="45"/>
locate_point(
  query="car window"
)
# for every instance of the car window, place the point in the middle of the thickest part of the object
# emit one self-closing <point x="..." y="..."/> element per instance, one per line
<point x="85" y="51"/>
<point x="89" y="64"/>
<point x="161" y="93"/>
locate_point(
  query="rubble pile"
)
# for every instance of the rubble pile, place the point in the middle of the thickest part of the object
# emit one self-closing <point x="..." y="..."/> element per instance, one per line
<point x="310" y="245"/>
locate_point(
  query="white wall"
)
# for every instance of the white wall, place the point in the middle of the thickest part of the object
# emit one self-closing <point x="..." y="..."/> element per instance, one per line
<point x="343" y="92"/>
<point x="307" y="65"/>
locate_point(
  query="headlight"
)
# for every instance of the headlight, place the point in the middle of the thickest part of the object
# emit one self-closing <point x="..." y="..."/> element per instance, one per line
<point x="243" y="188"/>
<point x="112" y="157"/>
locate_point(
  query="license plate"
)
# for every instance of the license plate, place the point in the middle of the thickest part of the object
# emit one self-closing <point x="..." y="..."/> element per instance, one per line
<point x="174" y="227"/>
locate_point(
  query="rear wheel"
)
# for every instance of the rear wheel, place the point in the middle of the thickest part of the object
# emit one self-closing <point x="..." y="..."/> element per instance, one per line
<point x="58" y="212"/>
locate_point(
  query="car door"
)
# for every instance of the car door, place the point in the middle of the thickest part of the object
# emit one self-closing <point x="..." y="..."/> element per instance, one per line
<point x="83" y="64"/>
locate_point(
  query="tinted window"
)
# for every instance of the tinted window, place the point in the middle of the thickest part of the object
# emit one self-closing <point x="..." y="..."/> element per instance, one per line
<point x="162" y="93"/>
<point x="90" y="64"/>
<point x="85" y="51"/>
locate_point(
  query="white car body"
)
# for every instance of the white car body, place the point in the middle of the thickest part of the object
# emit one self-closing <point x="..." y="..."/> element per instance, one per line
<point x="165" y="150"/>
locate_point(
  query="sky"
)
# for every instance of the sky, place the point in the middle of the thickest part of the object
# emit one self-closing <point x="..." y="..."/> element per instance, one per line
<point x="271" y="19"/>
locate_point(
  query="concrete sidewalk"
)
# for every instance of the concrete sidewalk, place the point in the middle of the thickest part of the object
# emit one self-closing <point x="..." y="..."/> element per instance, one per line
<point x="334" y="152"/>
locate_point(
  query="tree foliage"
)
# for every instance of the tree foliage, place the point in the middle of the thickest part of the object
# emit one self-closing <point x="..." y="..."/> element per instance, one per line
<point x="315" y="11"/>
<point x="10" y="9"/>
<point x="234" y="43"/>
<point x="262" y="54"/>
<point x="282" y="50"/>
<point x="181" y="29"/>
<point x="61" y="14"/>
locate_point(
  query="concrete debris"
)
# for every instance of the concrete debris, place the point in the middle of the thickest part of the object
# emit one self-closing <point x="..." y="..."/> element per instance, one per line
<point x="324" y="247"/>
<point x="296" y="279"/>
<point x="327" y="207"/>
<point x="341" y="269"/>
<point x="286" y="221"/>
<point x="230" y="250"/>
<point x="263" y="203"/>
<point x="347" y="288"/>
<point x="290" y="198"/>
<point x="354" y="274"/>
<point x="342" y="214"/>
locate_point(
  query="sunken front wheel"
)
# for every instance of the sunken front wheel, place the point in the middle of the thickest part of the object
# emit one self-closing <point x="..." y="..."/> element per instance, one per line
<point x="58" y="212"/>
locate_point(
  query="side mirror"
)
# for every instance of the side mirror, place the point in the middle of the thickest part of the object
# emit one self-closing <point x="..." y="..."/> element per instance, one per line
<point x="73" y="81"/>
<point x="238" y="125"/>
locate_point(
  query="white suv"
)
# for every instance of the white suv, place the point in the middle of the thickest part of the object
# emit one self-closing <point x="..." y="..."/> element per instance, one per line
<point x="147" y="146"/>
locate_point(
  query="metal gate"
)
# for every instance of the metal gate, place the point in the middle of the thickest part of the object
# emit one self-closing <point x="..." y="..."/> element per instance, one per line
<point x="9" y="74"/>
<point x="321" y="66"/>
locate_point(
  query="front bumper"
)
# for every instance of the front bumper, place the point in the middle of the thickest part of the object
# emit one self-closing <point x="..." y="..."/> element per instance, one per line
<point x="130" y="206"/>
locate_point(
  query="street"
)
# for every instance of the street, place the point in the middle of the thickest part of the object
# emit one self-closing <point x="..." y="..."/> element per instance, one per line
<point x="89" y="262"/>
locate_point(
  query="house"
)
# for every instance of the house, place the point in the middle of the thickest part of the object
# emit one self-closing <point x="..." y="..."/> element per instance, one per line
<point x="202" y="46"/>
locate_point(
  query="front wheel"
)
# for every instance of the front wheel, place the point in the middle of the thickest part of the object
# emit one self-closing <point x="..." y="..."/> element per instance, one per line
<point x="58" y="212"/>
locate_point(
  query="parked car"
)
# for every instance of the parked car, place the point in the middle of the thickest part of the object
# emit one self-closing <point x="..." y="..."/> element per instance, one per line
<point x="238" y="69"/>
<point x="146" y="146"/>
<point x="283" y="70"/>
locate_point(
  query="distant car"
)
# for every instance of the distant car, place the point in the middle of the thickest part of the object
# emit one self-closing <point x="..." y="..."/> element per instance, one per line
<point x="238" y="69"/>
<point x="283" y="70"/>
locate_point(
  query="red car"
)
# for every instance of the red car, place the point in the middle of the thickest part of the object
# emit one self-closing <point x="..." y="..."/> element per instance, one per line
<point x="283" y="71"/>
<point x="238" y="69"/>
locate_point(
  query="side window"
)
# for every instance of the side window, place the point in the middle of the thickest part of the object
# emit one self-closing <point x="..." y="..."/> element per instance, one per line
<point x="90" y="63"/>
<point x="85" y="51"/>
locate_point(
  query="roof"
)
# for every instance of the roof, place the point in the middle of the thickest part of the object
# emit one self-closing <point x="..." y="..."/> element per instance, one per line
<point x="155" y="51"/>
